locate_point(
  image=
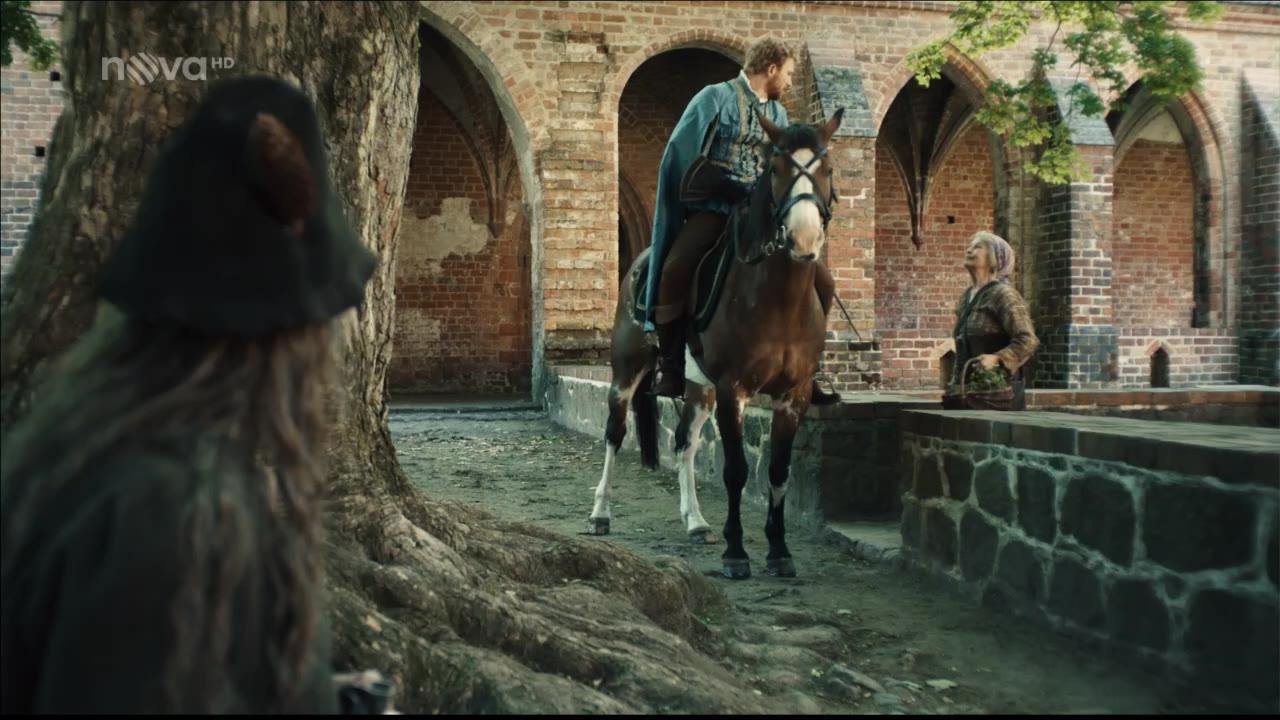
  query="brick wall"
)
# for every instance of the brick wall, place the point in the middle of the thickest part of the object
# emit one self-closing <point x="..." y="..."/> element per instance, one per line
<point x="32" y="103"/>
<point x="1153" y="236"/>
<point x="917" y="289"/>
<point x="651" y="105"/>
<point x="1196" y="356"/>
<point x="463" y="318"/>
<point x="559" y="71"/>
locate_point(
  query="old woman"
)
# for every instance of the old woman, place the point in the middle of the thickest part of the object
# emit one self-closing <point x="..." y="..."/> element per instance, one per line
<point x="992" y="320"/>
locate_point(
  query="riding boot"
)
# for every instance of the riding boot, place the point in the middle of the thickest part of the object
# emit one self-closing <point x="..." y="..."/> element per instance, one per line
<point x="671" y="337"/>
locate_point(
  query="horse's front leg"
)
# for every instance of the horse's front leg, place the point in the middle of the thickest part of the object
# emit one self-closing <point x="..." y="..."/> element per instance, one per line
<point x="729" y="412"/>
<point x="699" y="401"/>
<point x="787" y="412"/>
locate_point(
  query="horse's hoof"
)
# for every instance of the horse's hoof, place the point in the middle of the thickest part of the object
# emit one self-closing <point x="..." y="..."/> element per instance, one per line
<point x="703" y="537"/>
<point x="598" y="526"/>
<point x="781" y="567"/>
<point x="737" y="568"/>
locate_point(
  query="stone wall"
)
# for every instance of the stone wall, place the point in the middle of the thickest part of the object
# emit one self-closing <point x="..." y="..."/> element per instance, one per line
<point x="1152" y="539"/>
<point x="844" y="461"/>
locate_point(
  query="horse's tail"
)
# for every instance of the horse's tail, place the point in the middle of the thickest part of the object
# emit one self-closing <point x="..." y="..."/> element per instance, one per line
<point x="645" y="403"/>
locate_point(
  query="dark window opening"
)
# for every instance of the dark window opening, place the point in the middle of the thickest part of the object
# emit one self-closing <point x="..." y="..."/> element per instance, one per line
<point x="1160" y="369"/>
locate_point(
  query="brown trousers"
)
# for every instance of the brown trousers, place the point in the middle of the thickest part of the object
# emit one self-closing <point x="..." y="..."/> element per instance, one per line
<point x="696" y="238"/>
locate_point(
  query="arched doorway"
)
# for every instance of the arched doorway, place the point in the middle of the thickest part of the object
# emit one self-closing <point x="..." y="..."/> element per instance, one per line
<point x="463" y="281"/>
<point x="1159" y="216"/>
<point x="652" y="102"/>
<point x="935" y="187"/>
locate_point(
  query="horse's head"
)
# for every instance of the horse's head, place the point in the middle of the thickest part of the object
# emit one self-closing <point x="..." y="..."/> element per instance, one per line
<point x="802" y="192"/>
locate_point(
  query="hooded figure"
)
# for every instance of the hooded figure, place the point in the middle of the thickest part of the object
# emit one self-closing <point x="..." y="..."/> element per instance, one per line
<point x="161" y="501"/>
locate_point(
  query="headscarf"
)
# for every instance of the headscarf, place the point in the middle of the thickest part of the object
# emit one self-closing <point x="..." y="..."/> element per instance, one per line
<point x="1000" y="253"/>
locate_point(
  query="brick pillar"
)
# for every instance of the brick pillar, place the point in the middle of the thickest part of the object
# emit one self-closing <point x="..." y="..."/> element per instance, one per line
<point x="1260" y="271"/>
<point x="852" y="359"/>
<point x="1074" y="309"/>
<point x="579" y="171"/>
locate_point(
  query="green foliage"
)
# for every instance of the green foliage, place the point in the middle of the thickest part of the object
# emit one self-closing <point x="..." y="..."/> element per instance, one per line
<point x="1101" y="38"/>
<point x="19" y="27"/>
<point x="982" y="379"/>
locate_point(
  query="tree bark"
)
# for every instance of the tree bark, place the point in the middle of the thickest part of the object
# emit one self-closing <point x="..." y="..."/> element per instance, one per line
<point x="465" y="613"/>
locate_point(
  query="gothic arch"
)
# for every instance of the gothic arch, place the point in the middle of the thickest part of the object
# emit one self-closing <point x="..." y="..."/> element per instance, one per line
<point x="732" y="47"/>
<point x="966" y="73"/>
<point x="1205" y="152"/>
<point x="520" y="111"/>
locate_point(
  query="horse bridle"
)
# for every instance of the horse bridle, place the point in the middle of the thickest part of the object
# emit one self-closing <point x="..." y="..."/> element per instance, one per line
<point x="781" y="239"/>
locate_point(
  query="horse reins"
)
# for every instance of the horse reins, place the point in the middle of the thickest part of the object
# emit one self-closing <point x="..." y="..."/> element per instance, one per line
<point x="781" y="239"/>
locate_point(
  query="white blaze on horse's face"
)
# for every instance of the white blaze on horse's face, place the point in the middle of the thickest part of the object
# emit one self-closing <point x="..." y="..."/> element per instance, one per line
<point x="803" y="221"/>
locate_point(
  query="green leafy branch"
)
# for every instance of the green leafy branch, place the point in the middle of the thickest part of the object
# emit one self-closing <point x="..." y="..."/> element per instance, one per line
<point x="1102" y="37"/>
<point x="18" y="26"/>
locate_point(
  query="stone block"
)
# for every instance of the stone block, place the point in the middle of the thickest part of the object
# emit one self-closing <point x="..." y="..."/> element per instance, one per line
<point x="754" y="429"/>
<point x="911" y="525"/>
<point x="991" y="481"/>
<point x="974" y="430"/>
<point x="1076" y="594"/>
<point x="1021" y="570"/>
<point x="1045" y="439"/>
<point x="1189" y="527"/>
<point x="1231" y="639"/>
<point x="959" y="471"/>
<point x="1099" y="512"/>
<point x="922" y="423"/>
<point x="1036" y="491"/>
<point x="1137" y="615"/>
<point x="940" y="537"/>
<point x="978" y="542"/>
<point x="1273" y="558"/>
<point x="1001" y="433"/>
<point x="1113" y="447"/>
<point x="928" y="482"/>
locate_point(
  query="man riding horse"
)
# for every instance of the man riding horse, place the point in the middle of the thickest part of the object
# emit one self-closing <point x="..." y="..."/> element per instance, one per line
<point x="714" y="157"/>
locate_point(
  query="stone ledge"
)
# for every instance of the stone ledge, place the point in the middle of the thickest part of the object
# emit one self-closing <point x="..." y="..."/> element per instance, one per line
<point x="1235" y="455"/>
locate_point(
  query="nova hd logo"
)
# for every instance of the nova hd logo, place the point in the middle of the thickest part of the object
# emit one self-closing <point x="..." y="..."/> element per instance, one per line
<point x="145" y="68"/>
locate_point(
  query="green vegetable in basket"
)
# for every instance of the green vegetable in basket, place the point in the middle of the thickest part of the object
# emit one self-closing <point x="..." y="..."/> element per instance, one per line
<point x="982" y="380"/>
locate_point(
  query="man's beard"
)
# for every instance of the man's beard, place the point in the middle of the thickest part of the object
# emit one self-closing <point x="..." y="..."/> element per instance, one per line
<point x="774" y="93"/>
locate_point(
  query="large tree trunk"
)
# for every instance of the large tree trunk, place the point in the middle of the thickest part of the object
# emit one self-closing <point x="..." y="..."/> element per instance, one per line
<point x="467" y="614"/>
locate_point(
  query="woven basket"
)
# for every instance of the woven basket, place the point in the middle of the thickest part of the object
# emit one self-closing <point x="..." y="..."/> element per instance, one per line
<point x="986" y="400"/>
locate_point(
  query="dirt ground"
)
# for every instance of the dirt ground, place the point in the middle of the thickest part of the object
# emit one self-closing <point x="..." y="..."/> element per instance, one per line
<point x="844" y="637"/>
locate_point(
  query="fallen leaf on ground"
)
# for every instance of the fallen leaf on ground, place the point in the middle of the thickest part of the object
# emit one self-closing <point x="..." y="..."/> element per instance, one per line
<point x="940" y="684"/>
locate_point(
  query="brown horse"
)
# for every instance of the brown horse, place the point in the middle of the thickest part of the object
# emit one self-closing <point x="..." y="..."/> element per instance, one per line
<point x="766" y="336"/>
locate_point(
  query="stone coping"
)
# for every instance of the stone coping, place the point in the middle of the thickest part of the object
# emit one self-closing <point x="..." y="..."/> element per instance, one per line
<point x="855" y="405"/>
<point x="1206" y="395"/>
<point x="892" y="401"/>
<point x="1233" y="454"/>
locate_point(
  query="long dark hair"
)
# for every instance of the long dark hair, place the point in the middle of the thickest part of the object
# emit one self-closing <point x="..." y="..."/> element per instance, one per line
<point x="263" y="406"/>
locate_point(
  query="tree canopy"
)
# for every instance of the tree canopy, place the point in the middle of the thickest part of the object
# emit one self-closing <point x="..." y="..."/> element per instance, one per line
<point x="18" y="26"/>
<point x="1102" y="39"/>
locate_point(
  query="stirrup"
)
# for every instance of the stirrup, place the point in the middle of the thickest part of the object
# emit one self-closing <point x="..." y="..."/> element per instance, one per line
<point x="820" y="396"/>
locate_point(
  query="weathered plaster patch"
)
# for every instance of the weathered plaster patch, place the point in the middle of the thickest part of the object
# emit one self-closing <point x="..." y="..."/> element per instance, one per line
<point x="426" y="242"/>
